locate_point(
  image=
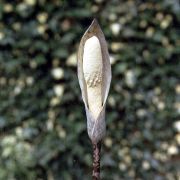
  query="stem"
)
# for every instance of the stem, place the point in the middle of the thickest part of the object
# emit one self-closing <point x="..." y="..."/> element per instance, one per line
<point x="96" y="160"/>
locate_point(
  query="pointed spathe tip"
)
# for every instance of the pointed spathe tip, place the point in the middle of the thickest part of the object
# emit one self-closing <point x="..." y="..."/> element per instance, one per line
<point x="94" y="22"/>
<point x="94" y="26"/>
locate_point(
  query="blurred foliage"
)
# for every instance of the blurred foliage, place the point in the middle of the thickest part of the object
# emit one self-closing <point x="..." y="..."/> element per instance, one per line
<point x="42" y="119"/>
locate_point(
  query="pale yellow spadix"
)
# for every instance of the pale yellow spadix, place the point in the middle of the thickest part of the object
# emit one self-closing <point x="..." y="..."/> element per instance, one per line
<point x="92" y="69"/>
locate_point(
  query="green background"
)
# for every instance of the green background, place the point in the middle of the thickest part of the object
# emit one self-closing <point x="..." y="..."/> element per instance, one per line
<point x="42" y="119"/>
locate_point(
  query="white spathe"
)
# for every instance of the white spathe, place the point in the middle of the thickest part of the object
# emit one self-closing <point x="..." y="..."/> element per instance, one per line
<point x="92" y="69"/>
<point x="94" y="75"/>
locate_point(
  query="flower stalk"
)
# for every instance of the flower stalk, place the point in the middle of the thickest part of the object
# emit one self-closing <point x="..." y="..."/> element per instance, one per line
<point x="96" y="160"/>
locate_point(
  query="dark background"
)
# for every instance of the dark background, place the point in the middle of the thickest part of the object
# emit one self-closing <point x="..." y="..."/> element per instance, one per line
<point x="42" y="118"/>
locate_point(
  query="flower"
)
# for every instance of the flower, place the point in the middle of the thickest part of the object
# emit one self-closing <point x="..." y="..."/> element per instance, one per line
<point x="94" y="74"/>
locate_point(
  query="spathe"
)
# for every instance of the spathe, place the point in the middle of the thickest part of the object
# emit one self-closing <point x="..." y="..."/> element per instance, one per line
<point x="96" y="127"/>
